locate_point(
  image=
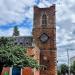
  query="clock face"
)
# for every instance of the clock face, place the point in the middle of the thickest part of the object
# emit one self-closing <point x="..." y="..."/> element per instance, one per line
<point x="44" y="38"/>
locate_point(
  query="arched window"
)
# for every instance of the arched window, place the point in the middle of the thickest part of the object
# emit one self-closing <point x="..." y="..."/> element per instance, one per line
<point x="44" y="20"/>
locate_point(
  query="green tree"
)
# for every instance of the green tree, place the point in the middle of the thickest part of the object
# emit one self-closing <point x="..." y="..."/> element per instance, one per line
<point x="15" y="31"/>
<point x="3" y="41"/>
<point x="58" y="72"/>
<point x="64" y="69"/>
<point x="15" y="55"/>
<point x="72" y="68"/>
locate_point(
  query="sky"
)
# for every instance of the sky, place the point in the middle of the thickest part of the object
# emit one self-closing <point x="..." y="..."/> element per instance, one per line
<point x="20" y="13"/>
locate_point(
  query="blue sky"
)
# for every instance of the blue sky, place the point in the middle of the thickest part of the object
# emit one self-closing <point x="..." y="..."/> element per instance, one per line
<point x="20" y="13"/>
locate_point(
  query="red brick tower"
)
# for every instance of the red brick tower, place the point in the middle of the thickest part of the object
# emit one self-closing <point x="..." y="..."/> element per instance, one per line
<point x="44" y="35"/>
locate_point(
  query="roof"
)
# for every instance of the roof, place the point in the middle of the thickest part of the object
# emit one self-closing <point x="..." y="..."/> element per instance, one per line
<point x="22" y="40"/>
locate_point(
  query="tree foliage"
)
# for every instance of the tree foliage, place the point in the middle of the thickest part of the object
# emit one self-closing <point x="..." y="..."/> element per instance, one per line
<point x="3" y="41"/>
<point x="58" y="72"/>
<point x="63" y="69"/>
<point x="15" y="31"/>
<point x="15" y="55"/>
<point x="72" y="68"/>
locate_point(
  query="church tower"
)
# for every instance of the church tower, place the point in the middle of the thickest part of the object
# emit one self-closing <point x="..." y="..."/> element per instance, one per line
<point x="44" y="35"/>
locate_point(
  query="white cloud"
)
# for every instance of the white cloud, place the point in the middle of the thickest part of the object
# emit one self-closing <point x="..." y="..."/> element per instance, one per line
<point x="14" y="10"/>
<point x="73" y="18"/>
<point x="46" y="3"/>
<point x="6" y="33"/>
<point x="29" y="13"/>
<point x="65" y="19"/>
<point x="18" y="10"/>
<point x="25" y="31"/>
<point x="65" y="14"/>
<point x="64" y="9"/>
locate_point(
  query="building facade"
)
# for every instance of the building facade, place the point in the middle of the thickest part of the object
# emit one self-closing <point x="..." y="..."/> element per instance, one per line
<point x="44" y="37"/>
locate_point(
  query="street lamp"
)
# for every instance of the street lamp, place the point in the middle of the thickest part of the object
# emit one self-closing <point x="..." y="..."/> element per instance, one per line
<point x="68" y="62"/>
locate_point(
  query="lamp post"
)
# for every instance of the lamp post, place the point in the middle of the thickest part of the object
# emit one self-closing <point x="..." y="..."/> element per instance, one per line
<point x="68" y="62"/>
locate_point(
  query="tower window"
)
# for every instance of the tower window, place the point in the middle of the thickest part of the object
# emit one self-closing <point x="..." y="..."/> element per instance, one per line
<point x="44" y="20"/>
